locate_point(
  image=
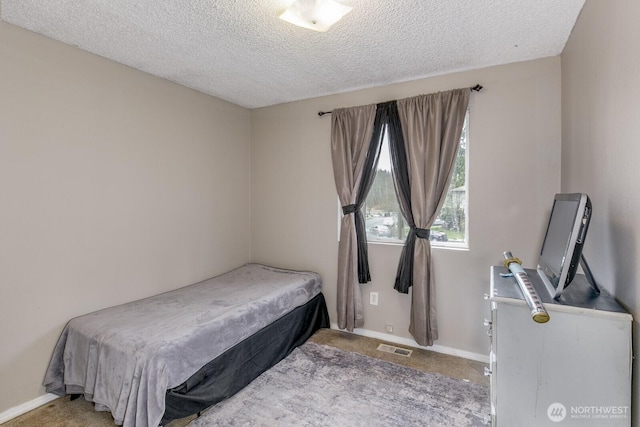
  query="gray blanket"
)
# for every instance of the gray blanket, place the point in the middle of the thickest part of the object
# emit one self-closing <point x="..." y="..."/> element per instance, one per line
<point x="124" y="358"/>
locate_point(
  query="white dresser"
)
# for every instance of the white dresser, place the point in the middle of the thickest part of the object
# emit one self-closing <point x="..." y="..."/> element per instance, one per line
<point x="574" y="370"/>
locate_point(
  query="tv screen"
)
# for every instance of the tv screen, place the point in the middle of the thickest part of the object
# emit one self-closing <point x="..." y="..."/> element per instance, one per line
<point x="563" y="241"/>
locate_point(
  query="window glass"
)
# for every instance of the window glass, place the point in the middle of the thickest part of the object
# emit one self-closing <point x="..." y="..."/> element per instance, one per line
<point x="384" y="222"/>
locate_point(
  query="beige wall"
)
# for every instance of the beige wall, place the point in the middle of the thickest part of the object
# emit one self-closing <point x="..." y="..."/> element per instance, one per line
<point x="514" y="173"/>
<point x="114" y="185"/>
<point x="601" y="144"/>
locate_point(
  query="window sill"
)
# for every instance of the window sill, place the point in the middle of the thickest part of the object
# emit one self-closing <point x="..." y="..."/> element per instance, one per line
<point x="450" y="246"/>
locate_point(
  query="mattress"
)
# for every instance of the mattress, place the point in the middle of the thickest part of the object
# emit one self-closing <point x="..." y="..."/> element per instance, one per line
<point x="125" y="358"/>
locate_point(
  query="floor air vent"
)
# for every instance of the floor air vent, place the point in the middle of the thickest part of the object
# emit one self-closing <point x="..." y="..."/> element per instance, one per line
<point x="395" y="350"/>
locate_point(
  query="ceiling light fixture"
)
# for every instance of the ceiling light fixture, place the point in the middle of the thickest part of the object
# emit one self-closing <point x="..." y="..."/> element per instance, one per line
<point x="316" y="15"/>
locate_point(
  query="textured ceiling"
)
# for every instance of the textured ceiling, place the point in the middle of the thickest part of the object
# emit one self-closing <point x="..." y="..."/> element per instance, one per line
<point x="239" y="50"/>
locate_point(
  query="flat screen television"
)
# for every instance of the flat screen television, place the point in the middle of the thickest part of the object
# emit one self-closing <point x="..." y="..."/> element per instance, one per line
<point x="563" y="241"/>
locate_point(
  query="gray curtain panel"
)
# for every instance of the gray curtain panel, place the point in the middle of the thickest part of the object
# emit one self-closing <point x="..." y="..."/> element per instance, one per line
<point x="431" y="128"/>
<point x="351" y="137"/>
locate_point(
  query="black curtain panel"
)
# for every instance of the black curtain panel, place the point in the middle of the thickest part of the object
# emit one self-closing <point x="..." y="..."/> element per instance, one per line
<point x="400" y="173"/>
<point x="368" y="174"/>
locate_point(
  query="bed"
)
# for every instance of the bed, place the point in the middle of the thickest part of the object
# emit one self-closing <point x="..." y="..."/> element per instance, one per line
<point x="172" y="355"/>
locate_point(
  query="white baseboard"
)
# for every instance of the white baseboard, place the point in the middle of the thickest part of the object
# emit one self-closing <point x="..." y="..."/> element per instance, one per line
<point x="411" y="343"/>
<point x="16" y="411"/>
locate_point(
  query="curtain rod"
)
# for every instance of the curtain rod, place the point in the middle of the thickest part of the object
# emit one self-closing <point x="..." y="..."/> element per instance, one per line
<point x="476" y="88"/>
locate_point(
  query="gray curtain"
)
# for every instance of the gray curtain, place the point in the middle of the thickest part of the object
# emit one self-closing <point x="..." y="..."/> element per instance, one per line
<point x="355" y="148"/>
<point x="423" y="156"/>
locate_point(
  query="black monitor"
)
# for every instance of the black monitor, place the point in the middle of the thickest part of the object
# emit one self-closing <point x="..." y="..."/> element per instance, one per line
<point x="563" y="241"/>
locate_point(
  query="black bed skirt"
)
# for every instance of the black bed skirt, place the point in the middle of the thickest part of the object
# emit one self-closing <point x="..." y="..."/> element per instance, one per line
<point x="232" y="370"/>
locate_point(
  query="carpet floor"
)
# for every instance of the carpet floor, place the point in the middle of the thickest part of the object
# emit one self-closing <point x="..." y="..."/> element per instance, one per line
<point x="318" y="385"/>
<point x="79" y="413"/>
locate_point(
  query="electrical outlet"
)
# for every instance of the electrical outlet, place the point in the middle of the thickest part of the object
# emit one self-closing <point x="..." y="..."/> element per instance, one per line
<point x="388" y="328"/>
<point x="373" y="298"/>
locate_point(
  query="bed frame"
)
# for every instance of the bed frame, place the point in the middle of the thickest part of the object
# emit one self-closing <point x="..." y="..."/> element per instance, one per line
<point x="237" y="367"/>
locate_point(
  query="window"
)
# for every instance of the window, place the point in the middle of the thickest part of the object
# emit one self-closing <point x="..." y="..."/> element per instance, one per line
<point x="384" y="222"/>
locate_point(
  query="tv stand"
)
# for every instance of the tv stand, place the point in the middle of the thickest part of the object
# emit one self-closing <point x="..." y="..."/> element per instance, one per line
<point x="553" y="291"/>
<point x="588" y="275"/>
<point x="576" y="368"/>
